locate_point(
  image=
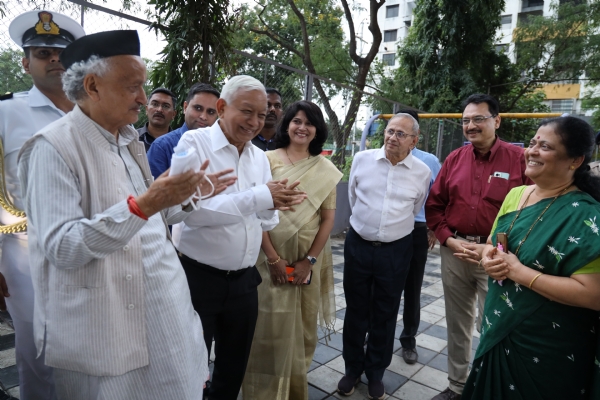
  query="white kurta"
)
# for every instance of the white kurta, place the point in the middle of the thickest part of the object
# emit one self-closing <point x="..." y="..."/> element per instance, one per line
<point x="20" y="118"/>
<point x="178" y="361"/>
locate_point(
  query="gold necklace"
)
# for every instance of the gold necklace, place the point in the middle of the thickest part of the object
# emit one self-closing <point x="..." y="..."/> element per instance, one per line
<point x="536" y="221"/>
<point x="288" y="156"/>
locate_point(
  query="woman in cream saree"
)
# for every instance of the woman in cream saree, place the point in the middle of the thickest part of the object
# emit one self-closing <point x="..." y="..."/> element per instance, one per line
<point x="286" y="330"/>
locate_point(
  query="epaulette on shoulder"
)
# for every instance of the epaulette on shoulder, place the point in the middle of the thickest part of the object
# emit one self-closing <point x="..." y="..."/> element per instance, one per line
<point x="6" y="96"/>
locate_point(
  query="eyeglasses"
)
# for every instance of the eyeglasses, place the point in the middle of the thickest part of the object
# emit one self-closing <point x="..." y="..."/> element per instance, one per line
<point x="399" y="134"/>
<point x="476" y="120"/>
<point x="164" y="106"/>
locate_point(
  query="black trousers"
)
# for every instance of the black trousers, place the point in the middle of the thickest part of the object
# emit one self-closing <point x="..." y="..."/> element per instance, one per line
<point x="374" y="276"/>
<point x="228" y="308"/>
<point x="412" y="288"/>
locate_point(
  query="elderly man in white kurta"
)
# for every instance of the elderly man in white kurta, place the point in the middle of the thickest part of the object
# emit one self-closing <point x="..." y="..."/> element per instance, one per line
<point x="112" y="304"/>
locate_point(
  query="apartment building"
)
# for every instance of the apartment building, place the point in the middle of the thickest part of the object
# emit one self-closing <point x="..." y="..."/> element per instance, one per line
<point x="396" y="18"/>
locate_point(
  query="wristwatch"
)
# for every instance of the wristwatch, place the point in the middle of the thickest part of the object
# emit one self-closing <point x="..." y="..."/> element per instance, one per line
<point x="312" y="260"/>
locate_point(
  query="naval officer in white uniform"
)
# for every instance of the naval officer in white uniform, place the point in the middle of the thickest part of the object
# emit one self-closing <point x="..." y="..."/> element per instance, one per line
<point x="42" y="35"/>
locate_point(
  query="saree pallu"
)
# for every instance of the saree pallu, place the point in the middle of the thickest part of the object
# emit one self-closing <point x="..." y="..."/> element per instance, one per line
<point x="532" y="348"/>
<point x="286" y="329"/>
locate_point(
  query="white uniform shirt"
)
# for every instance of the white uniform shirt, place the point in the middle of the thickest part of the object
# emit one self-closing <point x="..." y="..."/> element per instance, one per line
<point x="385" y="198"/>
<point x="226" y="233"/>
<point x="20" y="118"/>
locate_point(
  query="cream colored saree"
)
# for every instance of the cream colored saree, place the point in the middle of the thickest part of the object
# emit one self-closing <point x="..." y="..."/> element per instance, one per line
<point x="286" y="330"/>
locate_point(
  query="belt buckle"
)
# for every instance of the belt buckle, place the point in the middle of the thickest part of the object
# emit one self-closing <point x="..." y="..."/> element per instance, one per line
<point x="471" y="238"/>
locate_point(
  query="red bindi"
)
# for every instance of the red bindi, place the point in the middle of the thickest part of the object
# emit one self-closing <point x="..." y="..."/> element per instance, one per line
<point x="538" y="137"/>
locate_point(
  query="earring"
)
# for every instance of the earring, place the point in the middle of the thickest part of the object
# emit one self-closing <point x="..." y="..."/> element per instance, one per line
<point x="572" y="167"/>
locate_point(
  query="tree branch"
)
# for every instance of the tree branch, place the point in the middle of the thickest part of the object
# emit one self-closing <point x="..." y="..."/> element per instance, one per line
<point x="352" y="49"/>
<point x="304" y="32"/>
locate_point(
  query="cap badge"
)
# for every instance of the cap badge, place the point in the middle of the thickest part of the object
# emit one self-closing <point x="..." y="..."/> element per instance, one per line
<point x="45" y="26"/>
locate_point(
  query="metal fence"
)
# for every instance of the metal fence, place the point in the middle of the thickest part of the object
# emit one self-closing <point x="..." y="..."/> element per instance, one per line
<point x="294" y="84"/>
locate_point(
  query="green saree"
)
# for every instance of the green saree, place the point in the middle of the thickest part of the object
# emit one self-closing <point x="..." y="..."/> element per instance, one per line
<point x="532" y="348"/>
<point x="285" y="338"/>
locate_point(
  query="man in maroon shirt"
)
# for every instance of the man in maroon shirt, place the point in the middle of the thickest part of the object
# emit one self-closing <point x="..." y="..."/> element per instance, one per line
<point x="461" y="208"/>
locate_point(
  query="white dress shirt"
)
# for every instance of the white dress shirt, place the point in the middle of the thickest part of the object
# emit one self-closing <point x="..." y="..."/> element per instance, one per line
<point x="20" y="118"/>
<point x="226" y="233"/>
<point x="385" y="198"/>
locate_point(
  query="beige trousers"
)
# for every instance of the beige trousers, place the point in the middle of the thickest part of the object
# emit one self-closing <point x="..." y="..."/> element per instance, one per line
<point x="464" y="285"/>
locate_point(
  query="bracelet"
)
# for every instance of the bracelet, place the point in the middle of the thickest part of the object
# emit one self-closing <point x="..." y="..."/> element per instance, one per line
<point x="533" y="280"/>
<point x="274" y="262"/>
<point x="134" y="208"/>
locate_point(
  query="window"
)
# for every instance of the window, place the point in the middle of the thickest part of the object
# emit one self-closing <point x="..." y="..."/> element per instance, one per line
<point x="533" y="3"/>
<point x="390" y="36"/>
<point x="501" y="48"/>
<point x="392" y="11"/>
<point x="563" y="106"/>
<point x="389" y="59"/>
<point x="506" y="21"/>
<point x="407" y="24"/>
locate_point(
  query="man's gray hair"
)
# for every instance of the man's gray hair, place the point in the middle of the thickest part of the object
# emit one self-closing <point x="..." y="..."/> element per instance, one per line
<point x="239" y="83"/>
<point x="72" y="79"/>
<point x="415" y="127"/>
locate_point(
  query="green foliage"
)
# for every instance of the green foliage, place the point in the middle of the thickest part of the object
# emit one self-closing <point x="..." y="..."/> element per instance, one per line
<point x="450" y="54"/>
<point x="560" y="46"/>
<point x="274" y="32"/>
<point x="199" y="40"/>
<point x="308" y="34"/>
<point x="12" y="76"/>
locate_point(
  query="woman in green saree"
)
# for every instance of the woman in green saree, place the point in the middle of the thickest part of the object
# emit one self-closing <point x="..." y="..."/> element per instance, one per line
<point x="540" y="325"/>
<point x="286" y="330"/>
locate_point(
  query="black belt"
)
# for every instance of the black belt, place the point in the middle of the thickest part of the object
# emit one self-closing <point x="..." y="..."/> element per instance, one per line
<point x="213" y="270"/>
<point x="420" y="225"/>
<point x="471" y="238"/>
<point x="374" y="243"/>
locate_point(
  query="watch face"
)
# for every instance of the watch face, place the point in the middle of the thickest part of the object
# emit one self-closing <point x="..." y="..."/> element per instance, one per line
<point x="312" y="260"/>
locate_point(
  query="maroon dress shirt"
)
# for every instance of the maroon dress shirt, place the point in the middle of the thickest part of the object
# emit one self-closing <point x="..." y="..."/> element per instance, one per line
<point x="471" y="187"/>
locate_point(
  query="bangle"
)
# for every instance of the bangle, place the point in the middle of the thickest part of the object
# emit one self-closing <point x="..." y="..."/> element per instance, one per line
<point x="134" y="208"/>
<point x="533" y="280"/>
<point x="274" y="262"/>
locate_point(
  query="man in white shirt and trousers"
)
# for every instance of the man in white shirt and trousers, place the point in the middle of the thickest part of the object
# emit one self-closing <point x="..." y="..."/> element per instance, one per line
<point x="43" y="35"/>
<point x="112" y="305"/>
<point x="219" y="244"/>
<point x="387" y="188"/>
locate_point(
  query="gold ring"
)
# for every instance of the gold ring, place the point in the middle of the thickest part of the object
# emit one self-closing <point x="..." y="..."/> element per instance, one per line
<point x="464" y="251"/>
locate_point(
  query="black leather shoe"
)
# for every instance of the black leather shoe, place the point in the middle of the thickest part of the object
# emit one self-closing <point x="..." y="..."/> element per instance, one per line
<point x="376" y="390"/>
<point x="447" y="395"/>
<point x="410" y="356"/>
<point x="346" y="385"/>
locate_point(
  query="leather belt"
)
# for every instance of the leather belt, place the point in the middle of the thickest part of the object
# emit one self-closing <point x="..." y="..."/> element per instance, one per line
<point x="206" y="267"/>
<point x="420" y="225"/>
<point x="471" y="238"/>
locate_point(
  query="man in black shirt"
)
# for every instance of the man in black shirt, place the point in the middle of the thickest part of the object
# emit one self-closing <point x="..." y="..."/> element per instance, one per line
<point x="264" y="140"/>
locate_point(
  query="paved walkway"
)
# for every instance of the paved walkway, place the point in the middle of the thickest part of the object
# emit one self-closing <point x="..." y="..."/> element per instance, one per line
<point x="419" y="381"/>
